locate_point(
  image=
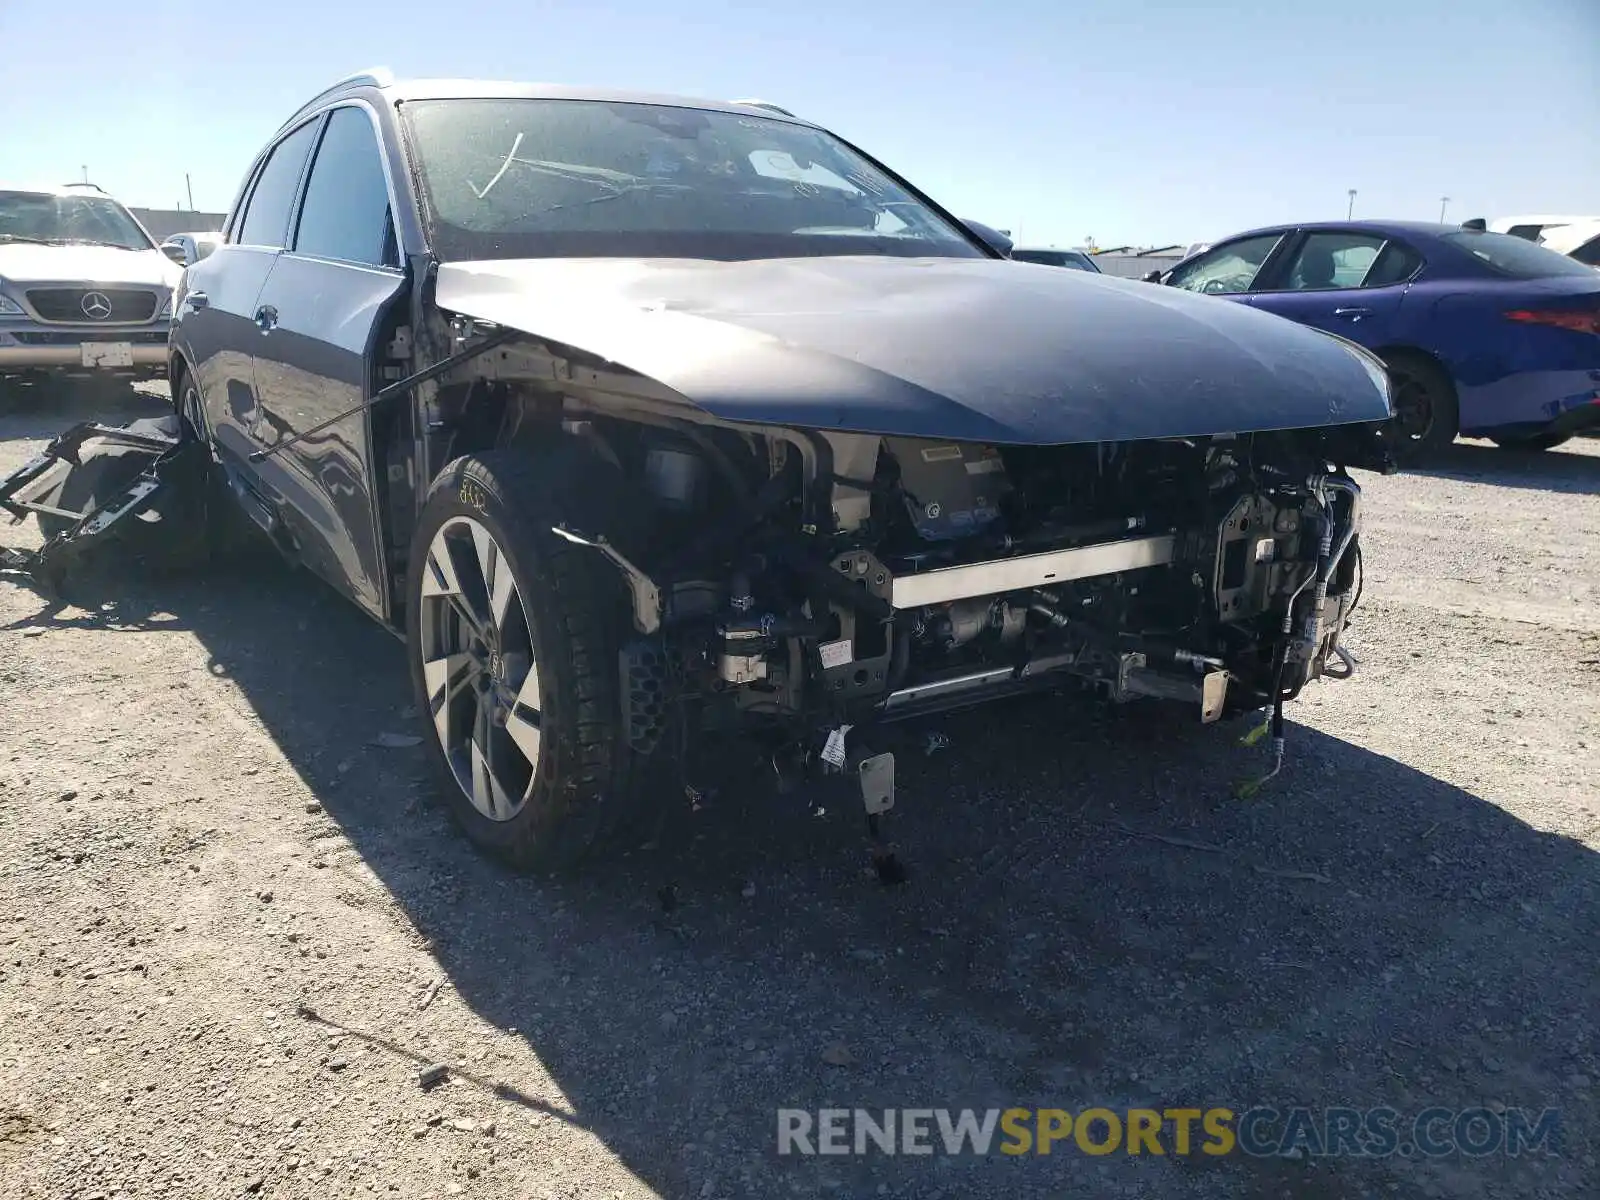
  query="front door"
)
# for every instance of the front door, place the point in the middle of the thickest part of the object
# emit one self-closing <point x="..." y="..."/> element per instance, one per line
<point x="319" y="314"/>
<point x="1345" y="282"/>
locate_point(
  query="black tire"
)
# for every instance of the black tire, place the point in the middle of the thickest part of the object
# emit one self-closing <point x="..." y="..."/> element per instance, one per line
<point x="586" y="785"/>
<point x="1426" y="416"/>
<point x="1535" y="442"/>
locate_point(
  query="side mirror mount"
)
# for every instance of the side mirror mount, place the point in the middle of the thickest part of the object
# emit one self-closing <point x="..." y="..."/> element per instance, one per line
<point x="992" y="238"/>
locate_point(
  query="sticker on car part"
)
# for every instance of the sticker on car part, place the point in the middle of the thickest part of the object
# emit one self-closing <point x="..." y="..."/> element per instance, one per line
<point x="833" y="749"/>
<point x="836" y="654"/>
<point x="933" y="454"/>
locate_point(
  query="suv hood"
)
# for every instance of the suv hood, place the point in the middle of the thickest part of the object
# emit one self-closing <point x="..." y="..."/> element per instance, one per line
<point x="25" y="263"/>
<point x="965" y="349"/>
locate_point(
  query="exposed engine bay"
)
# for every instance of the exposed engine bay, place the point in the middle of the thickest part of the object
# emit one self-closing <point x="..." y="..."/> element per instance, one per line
<point x="842" y="578"/>
<point x="823" y="579"/>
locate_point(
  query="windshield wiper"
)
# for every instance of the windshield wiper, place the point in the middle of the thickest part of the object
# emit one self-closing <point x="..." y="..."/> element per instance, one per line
<point x="504" y="167"/>
<point x="654" y="185"/>
<point x="22" y="237"/>
<point x="600" y="177"/>
<point x="97" y="242"/>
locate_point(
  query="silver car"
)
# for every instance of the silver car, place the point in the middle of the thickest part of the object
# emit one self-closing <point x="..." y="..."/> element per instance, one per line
<point x="83" y="288"/>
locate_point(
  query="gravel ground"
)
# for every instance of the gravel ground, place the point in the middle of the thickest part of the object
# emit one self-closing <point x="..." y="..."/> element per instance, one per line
<point x="233" y="929"/>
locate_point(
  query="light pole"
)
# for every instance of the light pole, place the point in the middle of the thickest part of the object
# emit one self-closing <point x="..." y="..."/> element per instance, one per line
<point x="1350" y="208"/>
<point x="1443" y="200"/>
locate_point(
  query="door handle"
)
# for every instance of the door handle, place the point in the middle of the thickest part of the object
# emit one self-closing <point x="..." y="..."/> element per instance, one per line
<point x="1352" y="314"/>
<point x="196" y="299"/>
<point x="267" y="318"/>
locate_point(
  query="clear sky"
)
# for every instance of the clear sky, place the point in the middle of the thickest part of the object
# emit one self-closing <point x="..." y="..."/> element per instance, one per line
<point x="1148" y="121"/>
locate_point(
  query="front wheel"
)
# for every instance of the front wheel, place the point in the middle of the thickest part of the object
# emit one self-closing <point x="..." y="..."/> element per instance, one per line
<point x="513" y="636"/>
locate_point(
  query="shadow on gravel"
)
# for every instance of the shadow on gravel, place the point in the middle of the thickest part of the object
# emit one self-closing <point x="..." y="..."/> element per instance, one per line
<point x="1091" y="921"/>
<point x="42" y="410"/>
<point x="1573" y="468"/>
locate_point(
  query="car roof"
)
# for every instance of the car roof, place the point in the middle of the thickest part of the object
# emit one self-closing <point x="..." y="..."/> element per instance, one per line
<point x="1385" y="228"/>
<point x="461" y="89"/>
<point x="398" y="91"/>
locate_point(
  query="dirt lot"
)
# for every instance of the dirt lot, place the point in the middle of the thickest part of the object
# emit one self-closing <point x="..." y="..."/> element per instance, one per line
<point x="233" y="929"/>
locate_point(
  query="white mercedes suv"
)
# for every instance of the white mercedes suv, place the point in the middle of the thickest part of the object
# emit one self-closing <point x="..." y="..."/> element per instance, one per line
<point x="83" y="288"/>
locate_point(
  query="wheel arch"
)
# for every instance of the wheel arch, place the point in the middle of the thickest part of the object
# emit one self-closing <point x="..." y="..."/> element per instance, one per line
<point x="479" y="415"/>
<point x="1407" y="351"/>
<point x="177" y="367"/>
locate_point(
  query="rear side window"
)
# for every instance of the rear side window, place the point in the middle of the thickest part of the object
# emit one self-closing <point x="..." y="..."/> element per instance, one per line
<point x="266" y="217"/>
<point x="345" y="214"/>
<point x="1514" y="257"/>
<point x="1333" y="260"/>
<point x="1397" y="262"/>
<point x="1588" y="253"/>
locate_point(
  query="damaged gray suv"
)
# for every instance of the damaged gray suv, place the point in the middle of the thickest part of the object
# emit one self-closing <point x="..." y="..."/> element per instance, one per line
<point x="641" y="417"/>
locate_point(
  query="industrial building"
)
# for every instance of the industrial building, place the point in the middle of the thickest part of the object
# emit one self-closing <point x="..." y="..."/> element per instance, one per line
<point x="164" y="222"/>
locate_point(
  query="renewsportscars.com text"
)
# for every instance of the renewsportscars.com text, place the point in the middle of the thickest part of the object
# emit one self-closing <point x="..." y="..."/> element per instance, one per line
<point x="1260" y="1131"/>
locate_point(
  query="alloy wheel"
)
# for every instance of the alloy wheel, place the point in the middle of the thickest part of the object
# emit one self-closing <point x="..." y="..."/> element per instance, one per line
<point x="479" y="668"/>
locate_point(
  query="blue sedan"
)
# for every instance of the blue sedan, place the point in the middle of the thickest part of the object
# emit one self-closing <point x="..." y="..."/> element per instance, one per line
<point x="1484" y="334"/>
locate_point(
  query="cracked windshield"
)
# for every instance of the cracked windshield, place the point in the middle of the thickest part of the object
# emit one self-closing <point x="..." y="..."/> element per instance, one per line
<point x="54" y="220"/>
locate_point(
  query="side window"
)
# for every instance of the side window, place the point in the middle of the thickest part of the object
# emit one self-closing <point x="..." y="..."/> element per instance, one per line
<point x="1589" y="252"/>
<point x="345" y="214"/>
<point x="266" y="218"/>
<point x="1397" y="262"/>
<point x="1332" y="261"/>
<point x="1227" y="269"/>
<point x="1327" y="261"/>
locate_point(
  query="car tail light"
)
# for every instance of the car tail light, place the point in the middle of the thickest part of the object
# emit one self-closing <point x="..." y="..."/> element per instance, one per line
<point x="1577" y="320"/>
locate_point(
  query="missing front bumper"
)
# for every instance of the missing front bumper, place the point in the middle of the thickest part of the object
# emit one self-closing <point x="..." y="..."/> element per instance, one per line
<point x="99" y="484"/>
